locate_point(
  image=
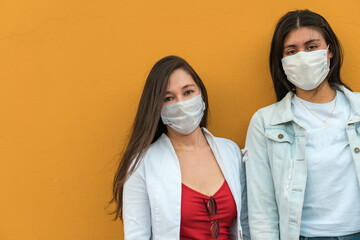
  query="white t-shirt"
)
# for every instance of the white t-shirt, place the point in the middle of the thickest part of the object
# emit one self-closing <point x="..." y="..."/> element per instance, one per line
<point x="332" y="195"/>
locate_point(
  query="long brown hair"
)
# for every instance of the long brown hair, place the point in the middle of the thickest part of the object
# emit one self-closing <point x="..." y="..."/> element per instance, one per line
<point x="294" y="20"/>
<point x="148" y="126"/>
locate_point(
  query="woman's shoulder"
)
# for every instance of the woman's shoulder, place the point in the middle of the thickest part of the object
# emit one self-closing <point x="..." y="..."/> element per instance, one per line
<point x="155" y="151"/>
<point x="226" y="142"/>
<point x="228" y="147"/>
<point x="158" y="148"/>
<point x="154" y="157"/>
<point x="221" y="143"/>
<point x="230" y="152"/>
<point x="263" y="114"/>
<point x="269" y="109"/>
<point x="274" y="113"/>
<point x="350" y="95"/>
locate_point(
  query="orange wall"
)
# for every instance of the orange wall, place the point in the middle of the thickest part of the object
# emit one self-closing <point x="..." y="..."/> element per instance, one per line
<point x="72" y="72"/>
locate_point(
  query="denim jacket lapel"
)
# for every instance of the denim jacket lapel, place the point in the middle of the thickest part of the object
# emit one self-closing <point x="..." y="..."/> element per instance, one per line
<point x="283" y="113"/>
<point x="354" y="99"/>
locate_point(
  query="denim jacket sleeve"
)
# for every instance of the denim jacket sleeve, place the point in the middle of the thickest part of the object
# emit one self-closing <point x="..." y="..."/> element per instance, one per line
<point x="263" y="212"/>
<point x="244" y="220"/>
<point x="136" y="207"/>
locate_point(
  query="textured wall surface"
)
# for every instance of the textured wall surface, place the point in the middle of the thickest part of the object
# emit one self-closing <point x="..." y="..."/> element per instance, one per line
<point x="71" y="77"/>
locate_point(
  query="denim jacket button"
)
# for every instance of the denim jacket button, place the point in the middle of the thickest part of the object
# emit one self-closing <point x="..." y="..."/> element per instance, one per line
<point x="280" y="136"/>
<point x="357" y="150"/>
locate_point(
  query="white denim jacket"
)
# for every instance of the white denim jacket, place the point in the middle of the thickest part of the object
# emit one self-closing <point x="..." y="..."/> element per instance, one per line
<point x="276" y="167"/>
<point x="152" y="194"/>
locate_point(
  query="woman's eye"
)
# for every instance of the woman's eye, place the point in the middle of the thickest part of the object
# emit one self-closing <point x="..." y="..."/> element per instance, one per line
<point x="312" y="47"/>
<point x="188" y="92"/>
<point x="167" y="99"/>
<point x="291" y="52"/>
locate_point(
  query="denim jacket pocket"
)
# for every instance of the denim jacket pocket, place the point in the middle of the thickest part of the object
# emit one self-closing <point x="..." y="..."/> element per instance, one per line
<point x="279" y="135"/>
<point x="357" y="127"/>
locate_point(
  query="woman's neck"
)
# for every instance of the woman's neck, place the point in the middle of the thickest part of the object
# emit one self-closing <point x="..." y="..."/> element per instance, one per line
<point x="188" y="143"/>
<point x="322" y="94"/>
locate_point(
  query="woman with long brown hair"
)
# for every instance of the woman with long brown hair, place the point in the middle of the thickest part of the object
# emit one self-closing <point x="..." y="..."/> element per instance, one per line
<point x="175" y="179"/>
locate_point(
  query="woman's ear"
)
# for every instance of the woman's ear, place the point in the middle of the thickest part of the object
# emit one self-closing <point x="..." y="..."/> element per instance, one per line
<point x="330" y="53"/>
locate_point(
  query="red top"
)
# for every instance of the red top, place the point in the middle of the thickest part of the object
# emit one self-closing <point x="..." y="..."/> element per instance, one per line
<point x="195" y="223"/>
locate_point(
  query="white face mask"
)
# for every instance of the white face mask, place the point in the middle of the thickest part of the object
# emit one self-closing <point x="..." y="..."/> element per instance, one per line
<point x="306" y="70"/>
<point x="184" y="117"/>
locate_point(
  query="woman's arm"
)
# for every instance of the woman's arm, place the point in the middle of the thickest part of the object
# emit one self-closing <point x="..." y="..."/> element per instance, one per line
<point x="244" y="205"/>
<point x="136" y="207"/>
<point x="263" y="212"/>
<point x="244" y="220"/>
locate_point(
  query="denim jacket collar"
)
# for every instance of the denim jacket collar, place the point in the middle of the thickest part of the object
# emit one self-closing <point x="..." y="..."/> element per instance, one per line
<point x="354" y="99"/>
<point x="283" y="113"/>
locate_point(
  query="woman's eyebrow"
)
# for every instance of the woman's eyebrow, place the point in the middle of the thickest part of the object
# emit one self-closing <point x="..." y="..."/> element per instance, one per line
<point x="312" y="40"/>
<point x="306" y="43"/>
<point x="188" y="85"/>
<point x="289" y="46"/>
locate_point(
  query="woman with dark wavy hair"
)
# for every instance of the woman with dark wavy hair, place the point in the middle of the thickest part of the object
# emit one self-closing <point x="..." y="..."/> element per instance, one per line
<point x="303" y="165"/>
<point x="175" y="179"/>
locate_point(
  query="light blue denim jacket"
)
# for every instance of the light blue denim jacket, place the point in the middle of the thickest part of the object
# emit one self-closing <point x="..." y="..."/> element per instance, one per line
<point x="276" y="167"/>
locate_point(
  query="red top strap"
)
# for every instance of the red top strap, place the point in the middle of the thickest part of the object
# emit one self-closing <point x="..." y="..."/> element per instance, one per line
<point x="195" y="222"/>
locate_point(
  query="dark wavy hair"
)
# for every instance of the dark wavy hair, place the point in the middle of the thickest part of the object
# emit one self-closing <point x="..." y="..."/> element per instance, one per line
<point x="294" y="20"/>
<point x="148" y="126"/>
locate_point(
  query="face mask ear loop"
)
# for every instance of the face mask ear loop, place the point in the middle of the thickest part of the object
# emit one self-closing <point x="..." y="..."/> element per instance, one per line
<point x="327" y="52"/>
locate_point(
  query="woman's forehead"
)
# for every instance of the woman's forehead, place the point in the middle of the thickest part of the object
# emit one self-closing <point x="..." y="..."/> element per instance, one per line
<point x="302" y="35"/>
<point x="180" y="78"/>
